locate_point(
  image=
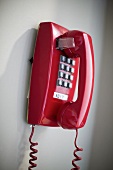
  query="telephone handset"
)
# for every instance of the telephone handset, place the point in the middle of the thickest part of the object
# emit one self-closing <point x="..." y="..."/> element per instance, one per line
<point x="73" y="115"/>
<point x="62" y="77"/>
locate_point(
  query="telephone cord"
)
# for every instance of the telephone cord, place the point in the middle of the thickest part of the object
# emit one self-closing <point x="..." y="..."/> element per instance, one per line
<point x="33" y="151"/>
<point x="77" y="158"/>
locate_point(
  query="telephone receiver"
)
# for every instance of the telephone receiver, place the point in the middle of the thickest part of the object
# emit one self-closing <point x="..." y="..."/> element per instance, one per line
<point x="62" y="77"/>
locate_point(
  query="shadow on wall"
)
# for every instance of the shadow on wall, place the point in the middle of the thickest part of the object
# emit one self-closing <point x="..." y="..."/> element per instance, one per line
<point x="24" y="47"/>
<point x="14" y="85"/>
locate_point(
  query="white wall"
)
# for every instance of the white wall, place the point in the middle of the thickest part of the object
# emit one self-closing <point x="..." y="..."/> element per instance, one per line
<point x="102" y="146"/>
<point x="18" y="23"/>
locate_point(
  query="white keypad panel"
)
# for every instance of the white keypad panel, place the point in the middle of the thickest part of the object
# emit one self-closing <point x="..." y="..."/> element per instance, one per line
<point x="65" y="72"/>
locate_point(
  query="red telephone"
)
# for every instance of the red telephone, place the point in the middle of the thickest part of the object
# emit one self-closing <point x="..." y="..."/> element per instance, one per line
<point x="62" y="77"/>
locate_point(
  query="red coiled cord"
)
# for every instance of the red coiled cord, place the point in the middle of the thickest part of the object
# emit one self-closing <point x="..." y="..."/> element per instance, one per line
<point x="77" y="158"/>
<point x="34" y="151"/>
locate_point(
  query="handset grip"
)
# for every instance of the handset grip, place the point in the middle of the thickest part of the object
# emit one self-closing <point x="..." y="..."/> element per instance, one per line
<point x="74" y="115"/>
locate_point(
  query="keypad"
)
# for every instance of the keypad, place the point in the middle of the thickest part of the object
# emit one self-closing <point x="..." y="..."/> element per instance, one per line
<point x="66" y="70"/>
<point x="67" y="64"/>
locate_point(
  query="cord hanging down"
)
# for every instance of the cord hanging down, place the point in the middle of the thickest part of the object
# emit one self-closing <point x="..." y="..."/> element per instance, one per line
<point x="33" y="151"/>
<point x="77" y="158"/>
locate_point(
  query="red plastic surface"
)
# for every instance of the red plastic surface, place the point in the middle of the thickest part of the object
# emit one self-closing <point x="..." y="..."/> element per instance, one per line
<point x="45" y="110"/>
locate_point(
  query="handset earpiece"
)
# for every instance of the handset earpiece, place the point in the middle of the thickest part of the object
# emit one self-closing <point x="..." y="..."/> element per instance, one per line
<point x="73" y="115"/>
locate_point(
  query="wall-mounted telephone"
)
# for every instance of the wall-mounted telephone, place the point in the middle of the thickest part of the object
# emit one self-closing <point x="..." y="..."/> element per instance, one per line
<point x="62" y="79"/>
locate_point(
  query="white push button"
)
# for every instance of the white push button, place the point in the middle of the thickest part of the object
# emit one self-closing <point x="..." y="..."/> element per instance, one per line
<point x="65" y="84"/>
<point x="69" y="61"/>
<point x="72" y="70"/>
<point x="63" y="58"/>
<point x="60" y="82"/>
<point x="71" y="77"/>
<point x="62" y="66"/>
<point x="66" y="76"/>
<point x="70" y="85"/>
<point x="73" y="62"/>
<point x="61" y="74"/>
<point x="67" y="68"/>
